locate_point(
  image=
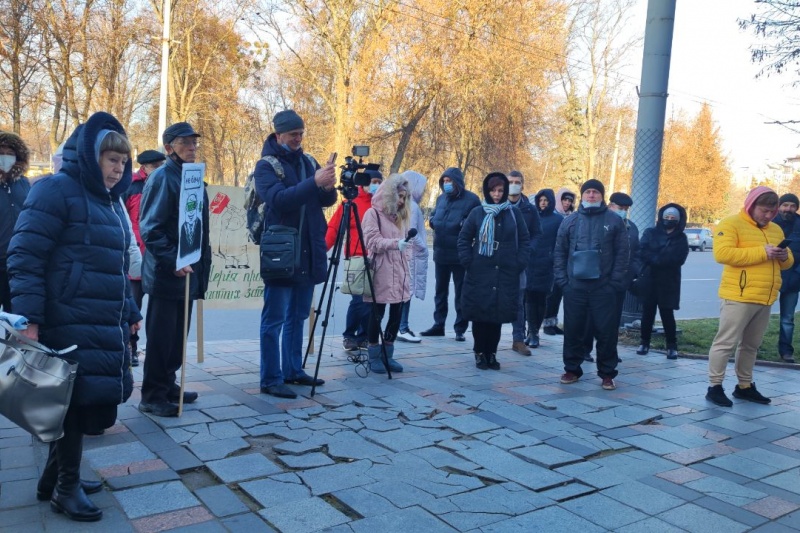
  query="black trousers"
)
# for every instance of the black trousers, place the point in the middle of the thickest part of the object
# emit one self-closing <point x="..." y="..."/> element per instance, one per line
<point x="486" y="336"/>
<point x="5" y="291"/>
<point x="392" y="326"/>
<point x="588" y="334"/>
<point x="553" y="302"/>
<point x="164" y="323"/>
<point x="138" y="296"/>
<point x="667" y="320"/>
<point x="443" y="273"/>
<point x="535" y="308"/>
<point x="598" y="305"/>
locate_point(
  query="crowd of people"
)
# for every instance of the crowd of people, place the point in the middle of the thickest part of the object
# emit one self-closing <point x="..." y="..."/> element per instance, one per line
<point x="70" y="245"/>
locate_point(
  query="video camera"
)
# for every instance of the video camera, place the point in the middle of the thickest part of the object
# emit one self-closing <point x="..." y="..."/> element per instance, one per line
<point x="355" y="174"/>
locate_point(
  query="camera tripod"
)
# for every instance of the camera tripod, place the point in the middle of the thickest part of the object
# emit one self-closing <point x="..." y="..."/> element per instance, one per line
<point x="349" y="209"/>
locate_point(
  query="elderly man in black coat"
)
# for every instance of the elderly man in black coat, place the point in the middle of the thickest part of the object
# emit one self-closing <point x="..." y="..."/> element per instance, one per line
<point x="591" y="266"/>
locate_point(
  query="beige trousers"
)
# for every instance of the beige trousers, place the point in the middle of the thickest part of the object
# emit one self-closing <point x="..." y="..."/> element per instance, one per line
<point x="741" y="324"/>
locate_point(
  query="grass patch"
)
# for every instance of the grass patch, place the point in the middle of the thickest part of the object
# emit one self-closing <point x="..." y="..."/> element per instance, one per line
<point x="696" y="336"/>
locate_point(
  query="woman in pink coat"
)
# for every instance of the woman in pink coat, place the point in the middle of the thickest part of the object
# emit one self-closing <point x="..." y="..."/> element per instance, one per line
<point x="385" y="226"/>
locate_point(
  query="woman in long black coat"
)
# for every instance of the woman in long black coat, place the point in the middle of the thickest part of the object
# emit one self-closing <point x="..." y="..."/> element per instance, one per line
<point x="69" y="276"/>
<point x="664" y="249"/>
<point x="493" y="248"/>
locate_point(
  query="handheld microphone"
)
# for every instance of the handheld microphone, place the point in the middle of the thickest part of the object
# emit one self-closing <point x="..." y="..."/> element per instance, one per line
<point x="411" y="234"/>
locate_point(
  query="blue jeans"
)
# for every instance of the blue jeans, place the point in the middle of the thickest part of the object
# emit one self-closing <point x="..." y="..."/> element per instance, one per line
<point x="285" y="308"/>
<point x="404" y="315"/>
<point x="518" y="326"/>
<point x="788" y="303"/>
<point x="357" y="321"/>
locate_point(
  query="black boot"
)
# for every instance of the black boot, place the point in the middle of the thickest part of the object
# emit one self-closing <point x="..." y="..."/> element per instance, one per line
<point x="44" y="490"/>
<point x="643" y="349"/>
<point x="491" y="361"/>
<point x="480" y="361"/>
<point x="69" y="497"/>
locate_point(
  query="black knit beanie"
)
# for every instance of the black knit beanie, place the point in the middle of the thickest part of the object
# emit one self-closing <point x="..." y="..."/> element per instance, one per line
<point x="593" y="184"/>
<point x="789" y="197"/>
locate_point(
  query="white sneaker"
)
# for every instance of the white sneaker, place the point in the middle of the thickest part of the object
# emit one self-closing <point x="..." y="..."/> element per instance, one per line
<point x="408" y="336"/>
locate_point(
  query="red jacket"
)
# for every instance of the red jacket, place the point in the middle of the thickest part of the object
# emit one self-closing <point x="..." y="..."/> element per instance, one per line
<point x="363" y="202"/>
<point x="133" y="198"/>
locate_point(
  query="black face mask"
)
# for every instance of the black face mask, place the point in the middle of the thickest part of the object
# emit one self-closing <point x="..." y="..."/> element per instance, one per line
<point x="669" y="224"/>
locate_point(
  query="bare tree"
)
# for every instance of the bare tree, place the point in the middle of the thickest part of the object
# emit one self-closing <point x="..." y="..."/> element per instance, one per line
<point x="777" y="26"/>
<point x="19" y="52"/>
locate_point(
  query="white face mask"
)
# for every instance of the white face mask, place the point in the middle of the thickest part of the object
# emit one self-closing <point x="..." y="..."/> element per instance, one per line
<point x="514" y="189"/>
<point x="7" y="161"/>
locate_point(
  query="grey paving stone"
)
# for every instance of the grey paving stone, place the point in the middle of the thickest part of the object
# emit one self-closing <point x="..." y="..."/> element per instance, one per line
<point x="650" y="525"/>
<point x="15" y="441"/>
<point x="226" y="413"/>
<point x="179" y="459"/>
<point x="17" y="457"/>
<point x="337" y="477"/>
<point x="365" y="501"/>
<point x="785" y="480"/>
<point x="187" y="418"/>
<point x="208" y="526"/>
<point x="402" y="521"/>
<point x="726" y="491"/>
<point x="470" y="424"/>
<point x="242" y="467"/>
<point x="311" y="514"/>
<point x="547" y="519"/>
<point x="653" y="444"/>
<point x="547" y="456"/>
<point x="513" y="468"/>
<point x="733" y="512"/>
<point x="734" y="423"/>
<point x="782" y="461"/>
<point x="643" y="497"/>
<point x="17" y="474"/>
<point x="349" y="445"/>
<point x="397" y="440"/>
<point x="250" y="522"/>
<point x="142" y="478"/>
<point x="225" y="430"/>
<point x="214" y="400"/>
<point x="636" y="463"/>
<point x="20" y="493"/>
<point x="568" y="491"/>
<point x="297" y="448"/>
<point x="218" y="449"/>
<point x="742" y="466"/>
<point x="604" y="511"/>
<point x="696" y="519"/>
<point x="221" y="500"/>
<point x="139" y="424"/>
<point x="276" y="490"/>
<point x="155" y="499"/>
<point x="157" y="441"/>
<point x="308" y="460"/>
<point x="491" y="504"/>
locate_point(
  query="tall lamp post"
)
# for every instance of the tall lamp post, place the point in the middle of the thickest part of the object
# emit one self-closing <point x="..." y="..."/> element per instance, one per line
<point x="165" y="40"/>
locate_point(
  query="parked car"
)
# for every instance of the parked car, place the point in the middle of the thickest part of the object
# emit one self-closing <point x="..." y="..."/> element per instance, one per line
<point x="699" y="238"/>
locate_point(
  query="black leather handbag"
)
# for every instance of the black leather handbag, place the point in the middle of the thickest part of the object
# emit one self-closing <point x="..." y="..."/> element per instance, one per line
<point x="280" y="250"/>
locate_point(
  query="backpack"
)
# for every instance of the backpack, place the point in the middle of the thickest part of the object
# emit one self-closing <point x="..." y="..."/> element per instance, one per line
<point x="254" y="206"/>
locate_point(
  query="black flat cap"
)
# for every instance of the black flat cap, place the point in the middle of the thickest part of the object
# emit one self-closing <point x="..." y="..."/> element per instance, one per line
<point x="150" y="156"/>
<point x="621" y="199"/>
<point x="179" y="129"/>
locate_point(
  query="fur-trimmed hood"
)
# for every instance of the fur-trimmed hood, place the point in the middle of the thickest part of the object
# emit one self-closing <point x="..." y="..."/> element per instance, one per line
<point x="15" y="142"/>
<point x="385" y="199"/>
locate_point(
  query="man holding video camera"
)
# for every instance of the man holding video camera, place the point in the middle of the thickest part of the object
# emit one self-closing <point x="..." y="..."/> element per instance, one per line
<point x="294" y="199"/>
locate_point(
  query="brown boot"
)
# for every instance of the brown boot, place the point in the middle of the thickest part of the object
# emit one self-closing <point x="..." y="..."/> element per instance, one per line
<point x="520" y="348"/>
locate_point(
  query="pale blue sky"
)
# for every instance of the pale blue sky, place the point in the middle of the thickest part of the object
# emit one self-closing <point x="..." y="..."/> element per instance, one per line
<point x="711" y="62"/>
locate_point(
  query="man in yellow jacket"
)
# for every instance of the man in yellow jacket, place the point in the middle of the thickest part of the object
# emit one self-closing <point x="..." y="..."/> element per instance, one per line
<point x="747" y="245"/>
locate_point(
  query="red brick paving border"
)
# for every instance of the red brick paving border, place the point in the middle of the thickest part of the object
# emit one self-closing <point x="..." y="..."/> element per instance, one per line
<point x="683" y="475"/>
<point x="132" y="468"/>
<point x="171" y="520"/>
<point x="771" y="507"/>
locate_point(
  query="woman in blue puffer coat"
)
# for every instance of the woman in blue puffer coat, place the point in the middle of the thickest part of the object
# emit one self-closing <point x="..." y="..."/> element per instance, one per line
<point x="68" y="265"/>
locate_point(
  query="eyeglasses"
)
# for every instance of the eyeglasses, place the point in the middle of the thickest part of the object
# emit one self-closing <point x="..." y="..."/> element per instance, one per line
<point x="194" y="141"/>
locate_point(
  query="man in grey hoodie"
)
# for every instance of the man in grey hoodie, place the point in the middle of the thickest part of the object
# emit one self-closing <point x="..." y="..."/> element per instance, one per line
<point x="452" y="208"/>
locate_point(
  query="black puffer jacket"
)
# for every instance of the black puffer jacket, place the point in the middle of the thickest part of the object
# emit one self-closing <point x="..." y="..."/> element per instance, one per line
<point x="448" y="216"/>
<point x="540" y="267"/>
<point x="492" y="283"/>
<point x="284" y="200"/>
<point x="14" y="187"/>
<point x="790" y="278"/>
<point x="664" y="253"/>
<point x="594" y="228"/>
<point x="158" y="224"/>
<point x="531" y="216"/>
<point x="68" y="261"/>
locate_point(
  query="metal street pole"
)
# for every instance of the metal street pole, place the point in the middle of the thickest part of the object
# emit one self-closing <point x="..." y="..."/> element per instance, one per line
<point x="165" y="40"/>
<point x="652" y="111"/>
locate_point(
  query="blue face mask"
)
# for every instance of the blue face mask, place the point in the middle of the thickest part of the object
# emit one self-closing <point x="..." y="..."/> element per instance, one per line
<point x="587" y="205"/>
<point x="286" y="146"/>
<point x="373" y="188"/>
<point x="622" y="214"/>
<point x="448" y="188"/>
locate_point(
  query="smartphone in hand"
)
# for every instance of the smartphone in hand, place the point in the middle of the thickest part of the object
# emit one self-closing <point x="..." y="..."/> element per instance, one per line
<point x="784" y="243"/>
